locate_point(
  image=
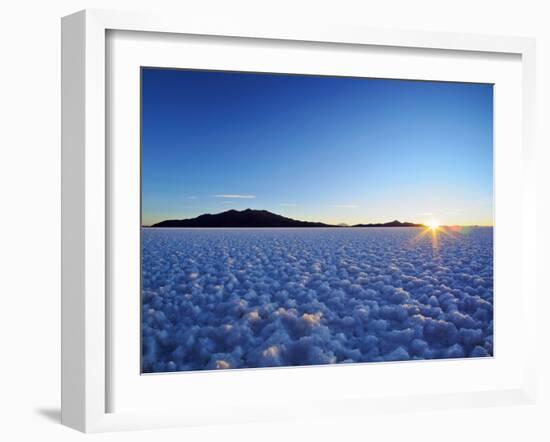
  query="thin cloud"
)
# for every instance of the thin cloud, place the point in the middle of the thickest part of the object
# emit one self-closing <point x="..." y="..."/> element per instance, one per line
<point x="235" y="196"/>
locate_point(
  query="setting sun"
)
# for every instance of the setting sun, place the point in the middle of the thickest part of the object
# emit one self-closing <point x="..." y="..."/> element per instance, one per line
<point x="433" y="224"/>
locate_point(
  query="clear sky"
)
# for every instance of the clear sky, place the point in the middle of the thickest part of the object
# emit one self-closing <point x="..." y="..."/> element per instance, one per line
<point x="330" y="149"/>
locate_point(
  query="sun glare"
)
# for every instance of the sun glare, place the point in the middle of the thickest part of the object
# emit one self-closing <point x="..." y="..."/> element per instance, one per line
<point x="433" y="224"/>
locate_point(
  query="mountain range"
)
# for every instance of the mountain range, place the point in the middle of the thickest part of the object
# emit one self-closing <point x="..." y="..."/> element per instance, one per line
<point x="260" y="218"/>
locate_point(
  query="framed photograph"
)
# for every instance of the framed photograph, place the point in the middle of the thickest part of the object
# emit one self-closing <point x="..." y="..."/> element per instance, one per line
<point x="262" y="222"/>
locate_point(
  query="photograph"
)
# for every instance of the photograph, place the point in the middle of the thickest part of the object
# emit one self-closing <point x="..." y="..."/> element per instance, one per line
<point x="303" y="220"/>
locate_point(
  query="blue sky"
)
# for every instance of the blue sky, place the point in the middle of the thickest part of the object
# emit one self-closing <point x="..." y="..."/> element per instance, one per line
<point x="331" y="149"/>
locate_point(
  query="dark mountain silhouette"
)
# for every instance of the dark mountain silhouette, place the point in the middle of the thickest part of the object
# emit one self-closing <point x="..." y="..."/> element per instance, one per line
<point x="260" y="218"/>
<point x="394" y="223"/>
<point x="236" y="218"/>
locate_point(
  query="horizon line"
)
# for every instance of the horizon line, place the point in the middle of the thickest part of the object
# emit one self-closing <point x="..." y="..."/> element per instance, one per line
<point x="418" y="225"/>
<point x="337" y="224"/>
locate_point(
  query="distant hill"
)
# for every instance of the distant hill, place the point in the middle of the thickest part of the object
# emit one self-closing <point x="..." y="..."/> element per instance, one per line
<point x="261" y="218"/>
<point x="394" y="223"/>
<point x="243" y="218"/>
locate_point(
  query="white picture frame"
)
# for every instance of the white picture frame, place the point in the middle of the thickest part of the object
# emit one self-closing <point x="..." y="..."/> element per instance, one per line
<point x="86" y="205"/>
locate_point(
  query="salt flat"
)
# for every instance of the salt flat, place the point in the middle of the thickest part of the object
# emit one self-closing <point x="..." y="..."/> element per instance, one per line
<point x="230" y="298"/>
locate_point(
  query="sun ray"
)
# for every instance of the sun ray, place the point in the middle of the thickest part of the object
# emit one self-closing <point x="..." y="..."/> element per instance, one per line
<point x="435" y="230"/>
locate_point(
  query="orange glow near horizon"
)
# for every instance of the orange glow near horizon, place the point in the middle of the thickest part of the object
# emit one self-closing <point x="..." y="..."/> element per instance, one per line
<point x="435" y="230"/>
